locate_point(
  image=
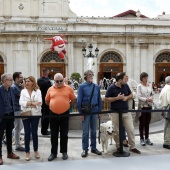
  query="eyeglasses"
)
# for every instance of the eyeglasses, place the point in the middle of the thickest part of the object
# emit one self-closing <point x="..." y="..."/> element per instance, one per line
<point x="58" y="81"/>
<point x="90" y="74"/>
<point x="9" y="79"/>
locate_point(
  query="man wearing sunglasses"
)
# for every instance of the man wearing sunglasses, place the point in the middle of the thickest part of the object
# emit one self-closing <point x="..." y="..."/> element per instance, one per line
<point x="59" y="97"/>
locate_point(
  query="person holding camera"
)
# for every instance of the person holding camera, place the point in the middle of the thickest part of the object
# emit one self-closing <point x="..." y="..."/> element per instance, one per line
<point x="17" y="86"/>
<point x="89" y="93"/>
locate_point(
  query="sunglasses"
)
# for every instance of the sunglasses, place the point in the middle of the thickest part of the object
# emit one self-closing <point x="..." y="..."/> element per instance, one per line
<point x="58" y="81"/>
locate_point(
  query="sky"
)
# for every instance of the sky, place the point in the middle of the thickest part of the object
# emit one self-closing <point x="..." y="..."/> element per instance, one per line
<point x="109" y="8"/>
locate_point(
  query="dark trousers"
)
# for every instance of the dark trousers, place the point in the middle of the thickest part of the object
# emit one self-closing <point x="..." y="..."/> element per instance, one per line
<point x="59" y="124"/>
<point x="8" y="125"/>
<point x="31" y="126"/>
<point x="124" y="133"/>
<point x="144" y="121"/>
<point x="45" y="121"/>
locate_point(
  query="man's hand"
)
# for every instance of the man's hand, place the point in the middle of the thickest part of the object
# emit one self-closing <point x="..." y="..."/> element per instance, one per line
<point x="120" y="96"/>
<point x="82" y="118"/>
<point x="125" y="98"/>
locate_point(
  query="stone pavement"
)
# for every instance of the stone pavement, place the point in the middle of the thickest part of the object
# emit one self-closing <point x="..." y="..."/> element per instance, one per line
<point x="74" y="151"/>
<point x="152" y="157"/>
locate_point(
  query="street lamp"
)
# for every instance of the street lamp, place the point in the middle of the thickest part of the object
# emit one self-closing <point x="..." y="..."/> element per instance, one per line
<point x="90" y="55"/>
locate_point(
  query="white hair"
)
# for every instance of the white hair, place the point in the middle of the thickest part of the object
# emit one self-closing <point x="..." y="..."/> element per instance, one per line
<point x="58" y="75"/>
<point x="167" y="80"/>
<point x="5" y="76"/>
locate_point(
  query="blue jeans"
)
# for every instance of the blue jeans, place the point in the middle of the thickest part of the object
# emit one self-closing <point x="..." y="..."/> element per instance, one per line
<point x="89" y="123"/>
<point x="31" y="126"/>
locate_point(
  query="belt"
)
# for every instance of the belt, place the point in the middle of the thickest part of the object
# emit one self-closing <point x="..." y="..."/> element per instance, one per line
<point x="93" y="106"/>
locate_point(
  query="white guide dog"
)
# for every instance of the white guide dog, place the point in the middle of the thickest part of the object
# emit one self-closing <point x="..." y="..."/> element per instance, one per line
<point x="106" y="133"/>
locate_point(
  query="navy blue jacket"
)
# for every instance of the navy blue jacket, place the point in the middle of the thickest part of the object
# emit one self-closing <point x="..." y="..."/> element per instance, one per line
<point x="2" y="104"/>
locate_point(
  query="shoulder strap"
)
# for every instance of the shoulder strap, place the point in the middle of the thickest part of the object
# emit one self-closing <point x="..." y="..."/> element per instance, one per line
<point x="92" y="93"/>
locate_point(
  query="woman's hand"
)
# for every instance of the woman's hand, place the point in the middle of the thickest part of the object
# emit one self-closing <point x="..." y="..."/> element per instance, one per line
<point x="150" y="99"/>
<point x="34" y="104"/>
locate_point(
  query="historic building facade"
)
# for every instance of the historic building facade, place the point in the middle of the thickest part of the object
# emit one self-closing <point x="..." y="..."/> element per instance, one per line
<point x="126" y="42"/>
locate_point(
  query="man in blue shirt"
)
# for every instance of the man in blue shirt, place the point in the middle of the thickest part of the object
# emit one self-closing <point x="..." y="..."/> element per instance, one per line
<point x="118" y="95"/>
<point x="6" y="109"/>
<point x="18" y="125"/>
<point x="89" y="122"/>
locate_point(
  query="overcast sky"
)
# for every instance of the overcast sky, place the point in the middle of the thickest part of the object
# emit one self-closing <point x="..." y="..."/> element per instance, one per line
<point x="108" y="8"/>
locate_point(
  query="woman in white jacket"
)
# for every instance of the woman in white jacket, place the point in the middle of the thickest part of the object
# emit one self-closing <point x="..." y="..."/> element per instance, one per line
<point x="31" y="100"/>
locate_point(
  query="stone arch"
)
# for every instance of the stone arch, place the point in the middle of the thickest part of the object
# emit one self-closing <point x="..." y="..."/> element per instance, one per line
<point x="110" y="63"/>
<point x="2" y="58"/>
<point x="162" y="65"/>
<point x="111" y="57"/>
<point x="113" y="52"/>
<point x="50" y="56"/>
<point x="53" y="55"/>
<point x="1" y="64"/>
<point x="52" y="61"/>
<point x="160" y="52"/>
<point x="163" y="57"/>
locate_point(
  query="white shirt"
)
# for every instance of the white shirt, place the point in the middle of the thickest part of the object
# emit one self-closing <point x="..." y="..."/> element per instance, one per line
<point x="35" y="97"/>
<point x="144" y="92"/>
<point x="164" y="98"/>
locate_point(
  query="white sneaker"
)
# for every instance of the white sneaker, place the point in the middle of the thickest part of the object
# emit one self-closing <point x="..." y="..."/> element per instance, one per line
<point x="142" y="142"/>
<point x="148" y="142"/>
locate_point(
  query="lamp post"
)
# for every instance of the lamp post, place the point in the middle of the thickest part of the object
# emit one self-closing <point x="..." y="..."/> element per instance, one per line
<point x="90" y="55"/>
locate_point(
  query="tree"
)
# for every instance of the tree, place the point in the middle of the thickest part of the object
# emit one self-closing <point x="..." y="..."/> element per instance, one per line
<point x="76" y="76"/>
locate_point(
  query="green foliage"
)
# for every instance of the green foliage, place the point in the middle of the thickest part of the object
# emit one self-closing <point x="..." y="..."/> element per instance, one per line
<point x="76" y="76"/>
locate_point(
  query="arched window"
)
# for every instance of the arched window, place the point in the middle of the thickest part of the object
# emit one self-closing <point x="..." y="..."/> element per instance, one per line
<point x="163" y="57"/>
<point x="1" y="59"/>
<point x="111" y="57"/>
<point x="51" y="57"/>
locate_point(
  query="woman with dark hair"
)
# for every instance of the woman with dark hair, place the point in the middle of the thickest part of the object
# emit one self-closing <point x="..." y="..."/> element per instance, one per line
<point x="31" y="100"/>
<point x="144" y="94"/>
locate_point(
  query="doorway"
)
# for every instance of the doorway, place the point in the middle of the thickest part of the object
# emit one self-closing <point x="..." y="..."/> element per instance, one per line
<point x="162" y="70"/>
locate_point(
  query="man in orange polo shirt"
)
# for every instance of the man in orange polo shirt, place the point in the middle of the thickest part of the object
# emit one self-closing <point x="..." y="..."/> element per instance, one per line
<point x="59" y="97"/>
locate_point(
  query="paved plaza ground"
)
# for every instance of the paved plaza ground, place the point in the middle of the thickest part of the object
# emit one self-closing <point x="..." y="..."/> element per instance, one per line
<point x="152" y="157"/>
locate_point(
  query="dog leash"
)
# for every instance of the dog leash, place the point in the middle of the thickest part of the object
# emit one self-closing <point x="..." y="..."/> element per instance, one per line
<point x="99" y="132"/>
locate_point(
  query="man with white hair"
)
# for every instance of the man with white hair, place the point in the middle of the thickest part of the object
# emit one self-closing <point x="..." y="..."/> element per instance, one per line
<point x="164" y="101"/>
<point x="59" y="97"/>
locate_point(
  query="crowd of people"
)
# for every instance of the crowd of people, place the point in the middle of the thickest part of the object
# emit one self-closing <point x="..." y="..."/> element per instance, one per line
<point x="41" y="97"/>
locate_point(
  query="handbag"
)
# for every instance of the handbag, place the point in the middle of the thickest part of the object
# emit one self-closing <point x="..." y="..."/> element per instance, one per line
<point x="26" y="113"/>
<point x="166" y="114"/>
<point x="86" y="107"/>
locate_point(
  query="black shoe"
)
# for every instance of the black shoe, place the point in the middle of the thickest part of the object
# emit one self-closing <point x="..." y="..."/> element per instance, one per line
<point x="84" y="154"/>
<point x="95" y="151"/>
<point x="166" y="146"/>
<point x="52" y="157"/>
<point x="46" y="133"/>
<point x="65" y="156"/>
<point x="20" y="149"/>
